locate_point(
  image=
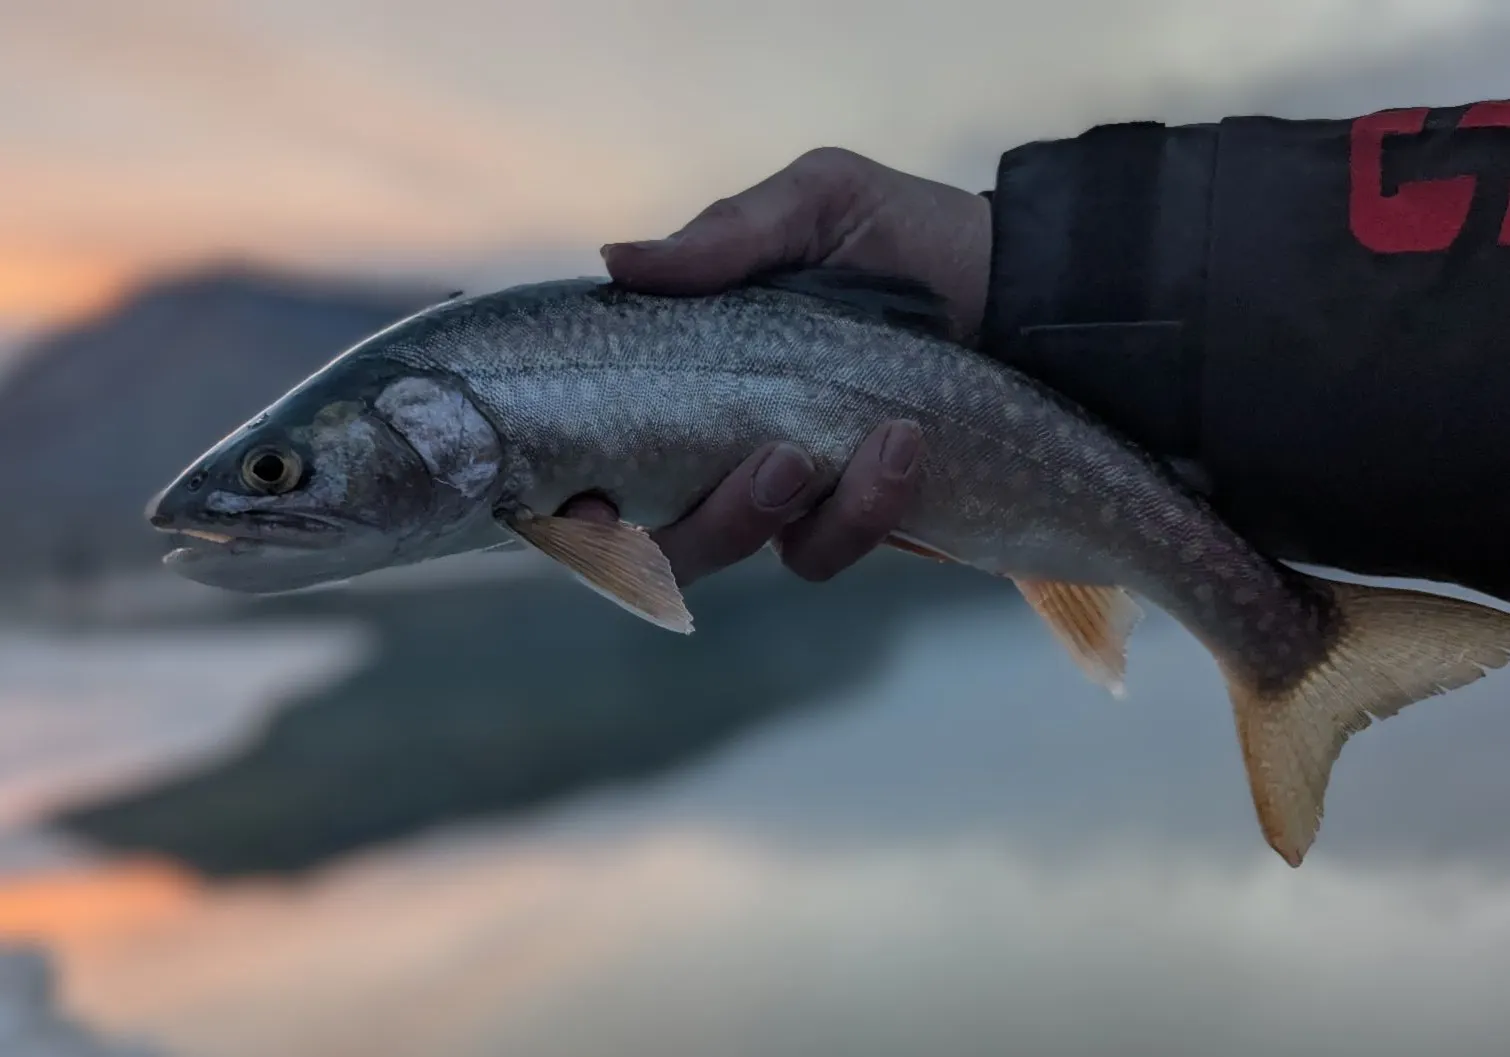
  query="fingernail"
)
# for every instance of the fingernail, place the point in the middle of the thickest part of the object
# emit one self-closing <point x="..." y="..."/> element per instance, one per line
<point x="899" y="448"/>
<point x="642" y="244"/>
<point x="624" y="247"/>
<point x="639" y="246"/>
<point x="780" y="476"/>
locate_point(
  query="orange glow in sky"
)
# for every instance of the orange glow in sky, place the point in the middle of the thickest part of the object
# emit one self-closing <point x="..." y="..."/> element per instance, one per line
<point x="432" y="140"/>
<point x="47" y="287"/>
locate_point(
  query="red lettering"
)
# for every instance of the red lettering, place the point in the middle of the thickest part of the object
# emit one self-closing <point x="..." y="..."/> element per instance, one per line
<point x="1491" y="115"/>
<point x="1420" y="217"/>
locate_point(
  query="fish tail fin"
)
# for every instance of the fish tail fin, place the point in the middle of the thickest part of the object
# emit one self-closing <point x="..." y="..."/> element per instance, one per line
<point x="1388" y="648"/>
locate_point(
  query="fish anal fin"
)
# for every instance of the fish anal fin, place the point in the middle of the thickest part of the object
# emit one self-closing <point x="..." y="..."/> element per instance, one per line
<point x="618" y="560"/>
<point x="912" y="546"/>
<point x="1092" y="621"/>
<point x="1389" y="648"/>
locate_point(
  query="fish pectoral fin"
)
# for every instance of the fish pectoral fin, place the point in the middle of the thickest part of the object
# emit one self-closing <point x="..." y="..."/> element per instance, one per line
<point x="1389" y="648"/>
<point x="618" y="560"/>
<point x="912" y="546"/>
<point x="1092" y="622"/>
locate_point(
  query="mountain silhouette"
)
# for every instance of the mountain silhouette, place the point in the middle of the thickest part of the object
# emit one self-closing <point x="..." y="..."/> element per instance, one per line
<point x="97" y="417"/>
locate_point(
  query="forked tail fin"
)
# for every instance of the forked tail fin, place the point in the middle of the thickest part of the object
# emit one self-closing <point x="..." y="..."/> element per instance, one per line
<point x="1389" y="648"/>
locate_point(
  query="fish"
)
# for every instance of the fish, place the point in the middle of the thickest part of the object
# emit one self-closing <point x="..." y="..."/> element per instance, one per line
<point x="468" y="425"/>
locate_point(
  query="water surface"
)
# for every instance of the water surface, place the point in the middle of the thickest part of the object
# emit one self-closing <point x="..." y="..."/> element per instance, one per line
<point x="964" y="850"/>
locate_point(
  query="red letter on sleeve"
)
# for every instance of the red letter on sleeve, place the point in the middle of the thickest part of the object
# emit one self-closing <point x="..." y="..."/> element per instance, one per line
<point x="1491" y="115"/>
<point x="1421" y="216"/>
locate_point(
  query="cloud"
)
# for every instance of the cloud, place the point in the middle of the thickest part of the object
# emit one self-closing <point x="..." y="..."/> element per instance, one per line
<point x="347" y="134"/>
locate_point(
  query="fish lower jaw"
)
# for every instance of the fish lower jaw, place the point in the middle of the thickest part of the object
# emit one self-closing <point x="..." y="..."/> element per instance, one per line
<point x="215" y="545"/>
<point x="209" y="537"/>
<point x="211" y="541"/>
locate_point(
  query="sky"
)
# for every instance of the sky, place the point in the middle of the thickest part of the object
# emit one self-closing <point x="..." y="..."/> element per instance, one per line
<point x="472" y="140"/>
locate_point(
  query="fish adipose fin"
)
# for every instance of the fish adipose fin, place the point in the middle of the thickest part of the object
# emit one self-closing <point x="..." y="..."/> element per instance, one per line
<point x="618" y="560"/>
<point x="1388" y="648"/>
<point x="1092" y="622"/>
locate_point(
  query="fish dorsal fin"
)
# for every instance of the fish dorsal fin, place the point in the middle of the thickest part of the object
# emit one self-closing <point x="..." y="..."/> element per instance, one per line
<point x="1092" y="622"/>
<point x="890" y="299"/>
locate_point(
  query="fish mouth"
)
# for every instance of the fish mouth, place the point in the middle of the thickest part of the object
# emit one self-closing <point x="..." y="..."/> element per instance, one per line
<point x="253" y="532"/>
<point x="269" y="556"/>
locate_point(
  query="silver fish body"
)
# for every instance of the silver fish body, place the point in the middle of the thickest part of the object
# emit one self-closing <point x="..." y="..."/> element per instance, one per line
<point x="473" y="422"/>
<point x="651" y="401"/>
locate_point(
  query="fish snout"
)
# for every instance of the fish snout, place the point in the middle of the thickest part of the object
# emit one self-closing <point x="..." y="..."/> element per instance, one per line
<point x="159" y="512"/>
<point x="172" y="508"/>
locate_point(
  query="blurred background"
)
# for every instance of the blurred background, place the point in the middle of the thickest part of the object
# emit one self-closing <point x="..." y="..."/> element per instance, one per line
<point x="472" y="809"/>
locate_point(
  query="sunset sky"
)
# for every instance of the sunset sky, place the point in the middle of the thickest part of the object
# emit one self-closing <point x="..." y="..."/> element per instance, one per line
<point x="999" y="852"/>
<point x="463" y="139"/>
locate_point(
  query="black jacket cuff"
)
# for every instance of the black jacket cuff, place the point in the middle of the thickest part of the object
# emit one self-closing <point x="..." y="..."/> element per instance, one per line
<point x="1098" y="271"/>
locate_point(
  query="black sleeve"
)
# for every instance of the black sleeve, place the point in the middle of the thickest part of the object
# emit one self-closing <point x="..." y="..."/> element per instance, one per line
<point x="1316" y="312"/>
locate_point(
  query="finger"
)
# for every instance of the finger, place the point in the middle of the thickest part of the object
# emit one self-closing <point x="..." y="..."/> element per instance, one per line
<point x="771" y="223"/>
<point x="870" y="501"/>
<point x="741" y="515"/>
<point x="590" y="508"/>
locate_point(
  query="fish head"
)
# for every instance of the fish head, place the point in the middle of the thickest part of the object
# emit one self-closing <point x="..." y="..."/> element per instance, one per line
<point x="359" y="468"/>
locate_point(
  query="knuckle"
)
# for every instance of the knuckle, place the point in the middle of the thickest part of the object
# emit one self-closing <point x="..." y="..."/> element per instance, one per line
<point x="833" y="170"/>
<point x="831" y="547"/>
<point x="826" y="559"/>
<point x="867" y="513"/>
<point x="684" y="564"/>
<point x="726" y="533"/>
<point x="828" y="159"/>
<point x="810" y="564"/>
<point x="836" y="185"/>
<point x="725" y="211"/>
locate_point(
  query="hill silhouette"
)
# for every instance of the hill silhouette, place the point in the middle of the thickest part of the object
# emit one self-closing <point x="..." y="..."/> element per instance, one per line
<point x="96" y="417"/>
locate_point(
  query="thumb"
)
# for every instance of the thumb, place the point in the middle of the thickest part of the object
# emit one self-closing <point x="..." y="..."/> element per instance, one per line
<point x="764" y="226"/>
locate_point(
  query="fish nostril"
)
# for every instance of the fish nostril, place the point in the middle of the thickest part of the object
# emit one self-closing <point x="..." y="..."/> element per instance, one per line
<point x="156" y="515"/>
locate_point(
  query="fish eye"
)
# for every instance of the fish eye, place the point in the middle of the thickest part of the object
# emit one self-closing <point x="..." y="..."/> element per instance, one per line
<point x="271" y="471"/>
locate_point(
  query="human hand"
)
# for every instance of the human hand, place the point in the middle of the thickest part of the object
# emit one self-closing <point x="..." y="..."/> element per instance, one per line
<point x="832" y="207"/>
<point x="767" y="499"/>
<point x="828" y="207"/>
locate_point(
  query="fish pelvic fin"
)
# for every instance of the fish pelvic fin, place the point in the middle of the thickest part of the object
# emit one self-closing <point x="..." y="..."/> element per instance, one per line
<point x="1093" y="622"/>
<point x="1388" y="648"/>
<point x="618" y="560"/>
<point x="908" y="545"/>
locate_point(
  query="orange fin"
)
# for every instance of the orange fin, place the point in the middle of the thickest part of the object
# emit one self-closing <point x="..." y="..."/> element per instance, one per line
<point x="1092" y="622"/>
<point x="922" y="550"/>
<point x="1389" y="649"/>
<point x="618" y="560"/>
